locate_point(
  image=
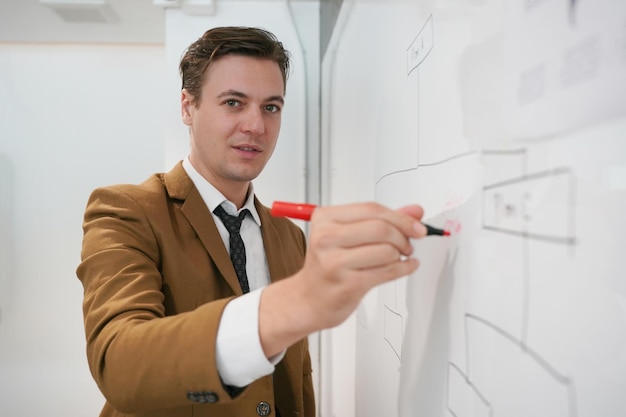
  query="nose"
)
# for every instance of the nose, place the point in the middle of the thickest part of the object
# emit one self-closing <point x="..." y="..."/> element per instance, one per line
<point x="253" y="122"/>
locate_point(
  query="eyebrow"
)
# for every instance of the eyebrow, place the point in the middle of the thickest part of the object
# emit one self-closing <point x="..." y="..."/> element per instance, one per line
<point x="235" y="93"/>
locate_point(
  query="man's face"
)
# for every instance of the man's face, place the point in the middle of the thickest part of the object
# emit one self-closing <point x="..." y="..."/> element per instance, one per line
<point x="235" y="125"/>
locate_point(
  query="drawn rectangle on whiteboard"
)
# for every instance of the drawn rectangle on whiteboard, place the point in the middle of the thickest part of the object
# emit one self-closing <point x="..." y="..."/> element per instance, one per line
<point x="420" y="47"/>
<point x="537" y="206"/>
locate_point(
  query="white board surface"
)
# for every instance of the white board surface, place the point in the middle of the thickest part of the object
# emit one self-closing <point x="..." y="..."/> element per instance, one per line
<point x="506" y="120"/>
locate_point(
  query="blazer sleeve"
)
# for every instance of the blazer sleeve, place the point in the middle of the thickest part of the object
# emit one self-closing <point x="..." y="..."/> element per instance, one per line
<point x="140" y="357"/>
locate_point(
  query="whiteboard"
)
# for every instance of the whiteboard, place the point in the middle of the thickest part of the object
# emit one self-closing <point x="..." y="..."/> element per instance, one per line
<point x="506" y="120"/>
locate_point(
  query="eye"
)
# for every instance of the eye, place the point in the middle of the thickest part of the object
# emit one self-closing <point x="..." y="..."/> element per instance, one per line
<point x="272" y="108"/>
<point x="232" y="103"/>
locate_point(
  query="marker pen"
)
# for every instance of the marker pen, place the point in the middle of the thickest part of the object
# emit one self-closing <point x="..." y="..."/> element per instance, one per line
<point x="293" y="210"/>
<point x="304" y="211"/>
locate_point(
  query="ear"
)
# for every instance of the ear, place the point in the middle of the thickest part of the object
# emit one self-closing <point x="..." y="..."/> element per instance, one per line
<point x="186" y="106"/>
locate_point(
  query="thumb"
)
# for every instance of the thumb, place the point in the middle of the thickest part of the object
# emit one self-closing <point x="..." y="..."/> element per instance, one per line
<point x="414" y="210"/>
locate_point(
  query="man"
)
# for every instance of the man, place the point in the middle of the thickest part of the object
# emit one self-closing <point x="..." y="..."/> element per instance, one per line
<point x="170" y="325"/>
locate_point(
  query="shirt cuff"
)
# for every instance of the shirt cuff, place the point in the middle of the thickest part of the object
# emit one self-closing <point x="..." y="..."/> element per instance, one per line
<point x="239" y="355"/>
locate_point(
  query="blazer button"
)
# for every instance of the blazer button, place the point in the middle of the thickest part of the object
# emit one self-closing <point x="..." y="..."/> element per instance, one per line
<point x="263" y="409"/>
<point x="202" y="397"/>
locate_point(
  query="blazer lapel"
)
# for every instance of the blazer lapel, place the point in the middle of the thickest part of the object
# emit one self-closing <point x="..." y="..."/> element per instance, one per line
<point x="179" y="186"/>
<point x="273" y="244"/>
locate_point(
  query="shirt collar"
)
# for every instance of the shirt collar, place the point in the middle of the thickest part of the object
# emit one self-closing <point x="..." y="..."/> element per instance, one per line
<point x="213" y="198"/>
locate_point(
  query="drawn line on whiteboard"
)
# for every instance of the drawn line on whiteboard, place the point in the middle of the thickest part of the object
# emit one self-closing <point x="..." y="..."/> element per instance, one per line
<point x="572" y="205"/>
<point x="541" y="361"/>
<point x="387" y="330"/>
<point x="394" y="173"/>
<point x="520" y="151"/>
<point x="443" y="161"/>
<point x="529" y="177"/>
<point x="523" y="346"/>
<point x="517" y="205"/>
<point x="514" y="211"/>
<point x="567" y="240"/>
<point x="421" y="46"/>
<point x="454" y="367"/>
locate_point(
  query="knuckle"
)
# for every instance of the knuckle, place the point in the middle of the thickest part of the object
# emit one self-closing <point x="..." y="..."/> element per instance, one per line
<point x="324" y="238"/>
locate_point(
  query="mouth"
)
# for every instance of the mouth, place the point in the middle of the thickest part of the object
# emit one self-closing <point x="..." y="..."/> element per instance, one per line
<point x="247" y="148"/>
<point x="247" y="151"/>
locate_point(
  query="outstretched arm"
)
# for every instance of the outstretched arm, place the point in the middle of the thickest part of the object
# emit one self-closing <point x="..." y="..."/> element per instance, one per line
<point x="351" y="249"/>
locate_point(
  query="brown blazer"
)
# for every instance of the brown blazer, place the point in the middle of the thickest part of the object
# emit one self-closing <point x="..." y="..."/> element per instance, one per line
<point x="156" y="279"/>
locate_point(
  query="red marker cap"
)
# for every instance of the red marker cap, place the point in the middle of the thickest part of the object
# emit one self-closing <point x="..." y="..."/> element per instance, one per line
<point x="293" y="210"/>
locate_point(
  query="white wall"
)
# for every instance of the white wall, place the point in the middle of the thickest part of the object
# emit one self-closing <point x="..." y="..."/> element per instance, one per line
<point x="77" y="116"/>
<point x="73" y="117"/>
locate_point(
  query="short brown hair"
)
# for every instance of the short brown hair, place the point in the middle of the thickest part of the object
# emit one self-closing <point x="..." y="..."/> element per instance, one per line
<point x="220" y="41"/>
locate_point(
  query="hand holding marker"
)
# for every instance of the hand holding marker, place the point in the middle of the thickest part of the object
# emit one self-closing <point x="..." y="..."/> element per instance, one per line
<point x="304" y="211"/>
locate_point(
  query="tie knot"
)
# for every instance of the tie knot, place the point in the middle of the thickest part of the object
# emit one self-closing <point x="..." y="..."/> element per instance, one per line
<point x="232" y="223"/>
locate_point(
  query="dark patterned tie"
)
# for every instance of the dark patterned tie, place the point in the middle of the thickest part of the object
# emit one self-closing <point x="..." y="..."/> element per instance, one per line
<point x="237" y="248"/>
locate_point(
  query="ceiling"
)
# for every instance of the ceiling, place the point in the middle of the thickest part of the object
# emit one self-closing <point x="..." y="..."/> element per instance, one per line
<point x="123" y="21"/>
<point x="130" y="21"/>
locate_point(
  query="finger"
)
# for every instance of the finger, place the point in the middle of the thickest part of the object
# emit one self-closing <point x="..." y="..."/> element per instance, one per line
<point x="407" y="219"/>
<point x="364" y="233"/>
<point x="372" y="277"/>
<point x="414" y="210"/>
<point x="366" y="257"/>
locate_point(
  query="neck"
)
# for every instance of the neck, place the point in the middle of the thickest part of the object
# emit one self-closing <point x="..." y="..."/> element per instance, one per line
<point x="238" y="197"/>
<point x="235" y="191"/>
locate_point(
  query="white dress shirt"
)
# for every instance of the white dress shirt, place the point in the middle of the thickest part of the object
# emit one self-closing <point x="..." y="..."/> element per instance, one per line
<point x="239" y="355"/>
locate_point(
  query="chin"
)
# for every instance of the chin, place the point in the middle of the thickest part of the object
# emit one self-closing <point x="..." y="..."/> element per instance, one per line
<point x="245" y="176"/>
